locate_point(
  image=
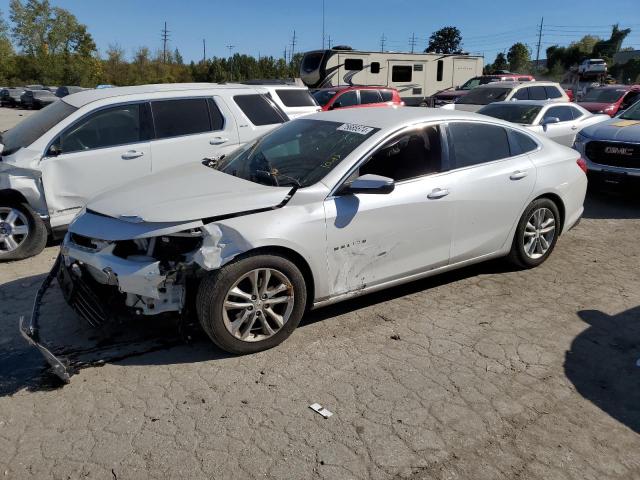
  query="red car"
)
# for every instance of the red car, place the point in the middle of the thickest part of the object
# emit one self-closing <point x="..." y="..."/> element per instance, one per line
<point x="353" y="97"/>
<point x="610" y="99"/>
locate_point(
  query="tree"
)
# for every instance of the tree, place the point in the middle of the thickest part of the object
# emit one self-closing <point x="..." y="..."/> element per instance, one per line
<point x="608" y="48"/>
<point x="447" y="40"/>
<point x="519" y="58"/>
<point x="7" y="63"/>
<point x="500" y="63"/>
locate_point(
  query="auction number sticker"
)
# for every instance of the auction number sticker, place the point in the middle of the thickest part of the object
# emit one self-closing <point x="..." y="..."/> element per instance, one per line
<point x="353" y="128"/>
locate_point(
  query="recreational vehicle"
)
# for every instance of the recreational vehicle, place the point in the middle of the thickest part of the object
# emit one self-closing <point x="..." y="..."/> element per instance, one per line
<point x="417" y="76"/>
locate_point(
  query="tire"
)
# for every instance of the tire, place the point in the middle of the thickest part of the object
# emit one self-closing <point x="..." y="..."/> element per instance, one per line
<point x="523" y="253"/>
<point x="23" y="246"/>
<point x="218" y="321"/>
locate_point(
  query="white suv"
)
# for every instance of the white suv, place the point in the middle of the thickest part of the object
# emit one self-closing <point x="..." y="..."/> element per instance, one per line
<point x="55" y="160"/>
<point x="505" y="91"/>
<point x="295" y="101"/>
<point x="592" y="66"/>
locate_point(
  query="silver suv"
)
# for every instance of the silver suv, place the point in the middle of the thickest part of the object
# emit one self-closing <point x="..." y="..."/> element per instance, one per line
<point x="57" y="159"/>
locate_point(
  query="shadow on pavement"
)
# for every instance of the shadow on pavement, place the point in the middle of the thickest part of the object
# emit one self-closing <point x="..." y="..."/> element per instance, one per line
<point x="601" y="204"/>
<point x="602" y="364"/>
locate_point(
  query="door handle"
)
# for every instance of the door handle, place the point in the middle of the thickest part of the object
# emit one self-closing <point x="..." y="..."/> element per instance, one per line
<point x="131" y="154"/>
<point x="218" y="140"/>
<point x="438" y="193"/>
<point x="517" y="175"/>
<point x="574" y="127"/>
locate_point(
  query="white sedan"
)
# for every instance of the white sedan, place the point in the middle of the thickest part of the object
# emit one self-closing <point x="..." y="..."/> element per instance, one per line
<point x="560" y="121"/>
<point x="324" y="208"/>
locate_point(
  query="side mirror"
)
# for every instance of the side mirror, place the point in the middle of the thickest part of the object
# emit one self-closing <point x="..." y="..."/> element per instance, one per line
<point x="376" y="184"/>
<point x="549" y="120"/>
<point x="54" y="150"/>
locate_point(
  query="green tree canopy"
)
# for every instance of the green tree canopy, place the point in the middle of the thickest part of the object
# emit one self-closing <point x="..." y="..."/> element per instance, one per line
<point x="447" y="40"/>
<point x="519" y="58"/>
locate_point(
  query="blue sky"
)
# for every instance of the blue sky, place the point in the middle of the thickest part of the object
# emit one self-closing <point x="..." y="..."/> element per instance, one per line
<point x="266" y="27"/>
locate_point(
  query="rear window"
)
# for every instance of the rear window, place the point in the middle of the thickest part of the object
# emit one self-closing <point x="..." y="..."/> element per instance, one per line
<point x="553" y="92"/>
<point x="175" y="118"/>
<point x="34" y="126"/>
<point x="387" y="95"/>
<point x="537" y="93"/>
<point x="477" y="143"/>
<point x="259" y="110"/>
<point x="323" y="96"/>
<point x="512" y="112"/>
<point x="370" y="96"/>
<point x="296" y="98"/>
<point x="484" y="96"/>
<point x="604" y="95"/>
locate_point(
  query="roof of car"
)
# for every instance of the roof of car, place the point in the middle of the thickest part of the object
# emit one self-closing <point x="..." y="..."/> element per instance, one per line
<point x="508" y="84"/>
<point x="540" y="103"/>
<point x="341" y="88"/>
<point x="392" y="117"/>
<point x="87" y="96"/>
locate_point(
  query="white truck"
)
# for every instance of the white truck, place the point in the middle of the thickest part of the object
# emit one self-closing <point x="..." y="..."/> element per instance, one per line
<point x="417" y="76"/>
<point x="55" y="160"/>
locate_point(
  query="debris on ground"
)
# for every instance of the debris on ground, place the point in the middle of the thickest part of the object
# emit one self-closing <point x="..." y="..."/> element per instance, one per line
<point x="321" y="410"/>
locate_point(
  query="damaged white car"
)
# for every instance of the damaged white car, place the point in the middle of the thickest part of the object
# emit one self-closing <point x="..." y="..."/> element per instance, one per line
<point x="322" y="209"/>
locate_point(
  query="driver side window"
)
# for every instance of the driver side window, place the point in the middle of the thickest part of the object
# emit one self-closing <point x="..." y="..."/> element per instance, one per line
<point x="412" y="155"/>
<point x="347" y="99"/>
<point x="110" y="127"/>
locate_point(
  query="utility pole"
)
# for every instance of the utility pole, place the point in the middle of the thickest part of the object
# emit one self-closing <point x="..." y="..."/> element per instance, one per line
<point x="329" y="42"/>
<point x="293" y="47"/>
<point x="322" y="24"/>
<point x="383" y="39"/>
<point x="165" y="38"/>
<point x="539" y="41"/>
<point x="204" y="50"/>
<point x="285" y="54"/>
<point x="412" y="42"/>
<point x="231" y="47"/>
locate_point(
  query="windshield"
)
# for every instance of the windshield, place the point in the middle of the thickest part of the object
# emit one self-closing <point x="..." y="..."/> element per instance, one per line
<point x="515" y="113"/>
<point x="632" y="113"/>
<point x="475" y="81"/>
<point x="323" y="96"/>
<point x="298" y="154"/>
<point x="604" y="95"/>
<point x="33" y="127"/>
<point x="485" y="96"/>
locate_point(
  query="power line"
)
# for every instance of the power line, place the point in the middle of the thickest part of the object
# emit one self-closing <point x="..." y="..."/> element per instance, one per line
<point x="412" y="42"/>
<point x="165" y="39"/>
<point x="539" y="40"/>
<point x="293" y="47"/>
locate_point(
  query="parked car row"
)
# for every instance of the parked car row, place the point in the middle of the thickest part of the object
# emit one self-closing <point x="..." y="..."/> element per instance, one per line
<point x="34" y="96"/>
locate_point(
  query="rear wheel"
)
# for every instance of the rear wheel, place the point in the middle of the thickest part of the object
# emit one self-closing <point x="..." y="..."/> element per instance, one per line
<point x="252" y="304"/>
<point x="536" y="234"/>
<point x="22" y="232"/>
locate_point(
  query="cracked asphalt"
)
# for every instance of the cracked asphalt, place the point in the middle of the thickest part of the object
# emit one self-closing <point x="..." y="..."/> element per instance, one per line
<point x="483" y="373"/>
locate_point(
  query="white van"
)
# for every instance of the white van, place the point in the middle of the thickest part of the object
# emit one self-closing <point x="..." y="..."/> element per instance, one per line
<point x="55" y="160"/>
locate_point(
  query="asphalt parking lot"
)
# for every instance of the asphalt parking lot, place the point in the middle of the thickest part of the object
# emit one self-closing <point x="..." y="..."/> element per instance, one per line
<point x="483" y="373"/>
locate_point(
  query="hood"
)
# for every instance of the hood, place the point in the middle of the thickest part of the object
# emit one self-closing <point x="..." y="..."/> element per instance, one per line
<point x="615" y="129"/>
<point x="447" y="94"/>
<point x="594" y="107"/>
<point x="467" y="107"/>
<point x="185" y="193"/>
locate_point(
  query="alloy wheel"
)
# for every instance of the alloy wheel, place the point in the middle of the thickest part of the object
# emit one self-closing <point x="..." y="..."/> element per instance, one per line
<point x="14" y="229"/>
<point x="258" y="305"/>
<point x="539" y="233"/>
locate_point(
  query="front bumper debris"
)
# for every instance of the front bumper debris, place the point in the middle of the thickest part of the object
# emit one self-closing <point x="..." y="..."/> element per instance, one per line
<point x="31" y="330"/>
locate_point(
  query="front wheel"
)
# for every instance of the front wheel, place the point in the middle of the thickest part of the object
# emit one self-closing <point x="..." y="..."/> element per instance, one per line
<point x="23" y="234"/>
<point x="536" y="234"/>
<point x="252" y="304"/>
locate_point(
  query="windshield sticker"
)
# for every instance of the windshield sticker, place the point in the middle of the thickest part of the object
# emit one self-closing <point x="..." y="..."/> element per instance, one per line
<point x="353" y="128"/>
<point x="626" y="123"/>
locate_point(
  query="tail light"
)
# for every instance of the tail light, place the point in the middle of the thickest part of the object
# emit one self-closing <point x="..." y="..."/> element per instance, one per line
<point x="582" y="163"/>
